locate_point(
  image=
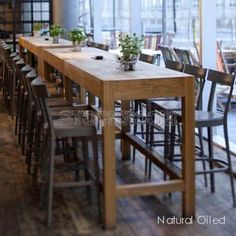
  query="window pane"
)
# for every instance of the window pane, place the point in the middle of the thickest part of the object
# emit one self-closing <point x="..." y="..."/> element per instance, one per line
<point x="115" y="20"/>
<point x="45" y="16"/>
<point x="37" y="16"/>
<point x="45" y="6"/>
<point x="37" y="6"/>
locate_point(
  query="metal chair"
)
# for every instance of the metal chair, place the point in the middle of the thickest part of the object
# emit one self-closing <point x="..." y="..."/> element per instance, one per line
<point x="64" y="128"/>
<point x="167" y="107"/>
<point x="168" y="54"/>
<point x="209" y="119"/>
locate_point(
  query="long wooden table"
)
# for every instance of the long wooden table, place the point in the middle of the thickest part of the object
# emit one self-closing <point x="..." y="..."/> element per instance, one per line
<point x="105" y="80"/>
<point x="35" y="45"/>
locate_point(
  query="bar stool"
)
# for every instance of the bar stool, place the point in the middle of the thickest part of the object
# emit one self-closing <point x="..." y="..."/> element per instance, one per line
<point x="168" y="107"/>
<point x="69" y="129"/>
<point x="209" y="119"/>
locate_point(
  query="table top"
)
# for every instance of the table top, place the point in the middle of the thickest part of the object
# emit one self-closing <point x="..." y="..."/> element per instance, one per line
<point x="144" y="51"/>
<point x="41" y="42"/>
<point x="108" y="68"/>
<point x="145" y="81"/>
<point x="36" y="44"/>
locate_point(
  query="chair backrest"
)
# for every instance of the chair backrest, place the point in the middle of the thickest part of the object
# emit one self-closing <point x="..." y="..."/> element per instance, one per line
<point x="99" y="45"/>
<point x="147" y="58"/>
<point x="174" y="65"/>
<point x="220" y="59"/>
<point x="102" y="46"/>
<point x="200" y="77"/>
<point x="152" y="41"/>
<point x="197" y="49"/>
<point x="40" y="92"/>
<point x="168" y="54"/>
<point x="183" y="55"/>
<point x="222" y="79"/>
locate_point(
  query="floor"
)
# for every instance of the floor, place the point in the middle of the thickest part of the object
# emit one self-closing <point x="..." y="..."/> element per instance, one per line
<point x="231" y="127"/>
<point x="21" y="215"/>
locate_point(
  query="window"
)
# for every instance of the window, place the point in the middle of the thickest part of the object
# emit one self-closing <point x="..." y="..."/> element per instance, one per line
<point x="115" y="20"/>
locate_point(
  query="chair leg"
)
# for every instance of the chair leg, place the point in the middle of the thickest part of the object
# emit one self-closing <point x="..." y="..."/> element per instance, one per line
<point x="97" y="176"/>
<point x="229" y="163"/>
<point x="166" y="133"/>
<point x="202" y="154"/>
<point x="135" y="126"/>
<point x="172" y="138"/>
<point x="86" y="163"/>
<point x="141" y="119"/>
<point x="210" y="150"/>
<point x="149" y="137"/>
<point x="50" y="181"/>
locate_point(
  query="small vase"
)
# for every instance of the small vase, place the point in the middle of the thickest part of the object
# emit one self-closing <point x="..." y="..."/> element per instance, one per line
<point x="76" y="47"/>
<point x="55" y="39"/>
<point x="37" y="33"/>
<point x="128" y="65"/>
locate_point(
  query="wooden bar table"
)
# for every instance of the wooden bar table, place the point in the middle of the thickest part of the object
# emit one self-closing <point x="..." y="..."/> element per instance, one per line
<point x="105" y="80"/>
<point x="55" y="57"/>
<point x="35" y="46"/>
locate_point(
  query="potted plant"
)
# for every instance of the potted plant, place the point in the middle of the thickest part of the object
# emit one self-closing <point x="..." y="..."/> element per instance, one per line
<point x="55" y="32"/>
<point x="130" y="46"/>
<point x="37" y="29"/>
<point x="77" y="37"/>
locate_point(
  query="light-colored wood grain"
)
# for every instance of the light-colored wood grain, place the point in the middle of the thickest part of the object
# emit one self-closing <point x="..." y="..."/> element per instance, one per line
<point x="35" y="45"/>
<point x="105" y="79"/>
<point x="188" y="168"/>
<point x="125" y="126"/>
<point x="150" y="188"/>
<point x="109" y="164"/>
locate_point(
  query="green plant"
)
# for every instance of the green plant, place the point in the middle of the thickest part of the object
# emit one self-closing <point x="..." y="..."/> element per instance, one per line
<point x="130" y="46"/>
<point x="56" y="30"/>
<point x="77" y="35"/>
<point x="38" y="26"/>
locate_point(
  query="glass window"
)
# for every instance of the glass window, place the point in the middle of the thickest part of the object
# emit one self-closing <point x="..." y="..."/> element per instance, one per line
<point x="45" y="6"/>
<point x="37" y="6"/>
<point x="115" y="20"/>
<point x="226" y="21"/>
<point x="180" y="26"/>
<point x="37" y="16"/>
<point x="85" y="15"/>
<point x="45" y="16"/>
<point x="26" y="16"/>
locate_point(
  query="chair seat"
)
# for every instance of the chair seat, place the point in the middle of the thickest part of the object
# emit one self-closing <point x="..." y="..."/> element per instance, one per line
<point x="167" y="105"/>
<point x="205" y="118"/>
<point x="73" y="127"/>
<point x="57" y="102"/>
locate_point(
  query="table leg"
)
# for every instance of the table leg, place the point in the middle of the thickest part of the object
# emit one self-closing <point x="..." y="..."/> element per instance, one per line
<point x="91" y="99"/>
<point x="125" y="145"/>
<point x="21" y="51"/>
<point x="47" y="71"/>
<point x="40" y="66"/>
<point x="109" y="161"/>
<point x="29" y="58"/>
<point x="68" y="84"/>
<point x="82" y="96"/>
<point x="188" y="170"/>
